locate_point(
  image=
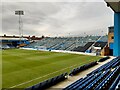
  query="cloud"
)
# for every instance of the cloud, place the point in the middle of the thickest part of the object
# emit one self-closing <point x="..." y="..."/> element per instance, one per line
<point x="56" y="18"/>
<point x="52" y="0"/>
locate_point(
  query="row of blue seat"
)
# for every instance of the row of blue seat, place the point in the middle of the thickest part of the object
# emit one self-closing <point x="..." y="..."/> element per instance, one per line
<point x="108" y="80"/>
<point x="81" y="68"/>
<point x="116" y="64"/>
<point x="85" y="83"/>
<point x="92" y="85"/>
<point x="80" y="83"/>
<point x="101" y="79"/>
<point x="116" y="84"/>
<point x="113" y="63"/>
<point x="81" y="87"/>
<point x="48" y="83"/>
<point x="86" y="66"/>
<point x="103" y="59"/>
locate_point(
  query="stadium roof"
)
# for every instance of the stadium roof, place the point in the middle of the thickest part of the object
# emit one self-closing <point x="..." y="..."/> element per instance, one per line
<point x="114" y="4"/>
<point x="3" y="38"/>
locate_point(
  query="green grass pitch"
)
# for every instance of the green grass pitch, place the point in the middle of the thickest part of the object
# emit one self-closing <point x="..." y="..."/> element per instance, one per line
<point x="24" y="68"/>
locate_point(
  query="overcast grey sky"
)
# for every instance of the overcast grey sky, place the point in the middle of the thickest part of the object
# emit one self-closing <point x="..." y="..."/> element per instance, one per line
<point x="57" y="18"/>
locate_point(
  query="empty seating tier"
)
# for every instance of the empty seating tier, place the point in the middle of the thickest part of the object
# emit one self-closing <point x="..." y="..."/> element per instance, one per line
<point x="62" y="43"/>
<point x="116" y="84"/>
<point x="106" y="77"/>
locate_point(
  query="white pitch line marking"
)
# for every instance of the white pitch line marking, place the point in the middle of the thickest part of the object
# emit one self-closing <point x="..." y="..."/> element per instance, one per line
<point x="40" y="77"/>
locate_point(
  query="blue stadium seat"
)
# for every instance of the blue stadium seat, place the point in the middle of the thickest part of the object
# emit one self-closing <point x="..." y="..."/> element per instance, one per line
<point x="114" y="85"/>
<point x="81" y="68"/>
<point x="48" y="83"/>
<point x="99" y="79"/>
<point x="104" y="83"/>
<point x="103" y="59"/>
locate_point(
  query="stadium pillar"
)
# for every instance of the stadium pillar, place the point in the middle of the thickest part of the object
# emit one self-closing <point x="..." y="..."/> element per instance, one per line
<point x="116" y="50"/>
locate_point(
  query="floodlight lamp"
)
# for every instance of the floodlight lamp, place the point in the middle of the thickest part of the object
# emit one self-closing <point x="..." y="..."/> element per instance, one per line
<point x="19" y="12"/>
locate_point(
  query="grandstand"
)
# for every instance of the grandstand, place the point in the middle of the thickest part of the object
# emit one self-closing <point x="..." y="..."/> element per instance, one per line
<point x="7" y="42"/>
<point x="79" y="44"/>
<point x="63" y="43"/>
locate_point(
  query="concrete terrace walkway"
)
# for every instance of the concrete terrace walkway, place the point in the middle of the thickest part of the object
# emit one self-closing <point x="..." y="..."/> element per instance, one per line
<point x="82" y="74"/>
